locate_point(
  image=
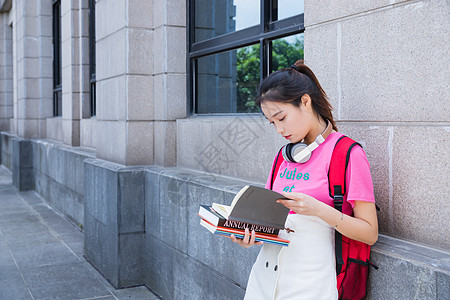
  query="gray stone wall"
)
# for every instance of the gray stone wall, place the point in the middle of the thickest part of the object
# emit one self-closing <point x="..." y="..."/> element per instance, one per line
<point x="59" y="176"/>
<point x="114" y="221"/>
<point x="237" y="146"/>
<point x="377" y="67"/>
<point x="408" y="271"/>
<point x="52" y="169"/>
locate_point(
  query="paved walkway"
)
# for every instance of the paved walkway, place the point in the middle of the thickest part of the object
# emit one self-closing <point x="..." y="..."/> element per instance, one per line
<point x="41" y="253"/>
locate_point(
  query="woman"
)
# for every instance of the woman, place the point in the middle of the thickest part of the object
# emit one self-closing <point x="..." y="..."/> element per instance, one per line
<point x="295" y="103"/>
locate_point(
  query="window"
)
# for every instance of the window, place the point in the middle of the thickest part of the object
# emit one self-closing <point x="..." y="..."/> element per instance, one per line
<point x="92" y="56"/>
<point x="57" y="70"/>
<point x="233" y="44"/>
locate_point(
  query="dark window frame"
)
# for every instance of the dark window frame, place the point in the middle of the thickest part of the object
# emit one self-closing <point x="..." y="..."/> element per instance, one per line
<point x="57" y="57"/>
<point x="268" y="30"/>
<point x="92" y="61"/>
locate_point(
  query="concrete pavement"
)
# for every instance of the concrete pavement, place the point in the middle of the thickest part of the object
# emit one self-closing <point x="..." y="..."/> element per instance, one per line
<point x="41" y="253"/>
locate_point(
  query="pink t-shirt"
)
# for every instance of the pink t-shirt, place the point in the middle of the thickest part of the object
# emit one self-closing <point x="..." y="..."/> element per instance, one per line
<point x="311" y="177"/>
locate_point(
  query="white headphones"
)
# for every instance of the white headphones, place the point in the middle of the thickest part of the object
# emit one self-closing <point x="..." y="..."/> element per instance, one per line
<point x="301" y="152"/>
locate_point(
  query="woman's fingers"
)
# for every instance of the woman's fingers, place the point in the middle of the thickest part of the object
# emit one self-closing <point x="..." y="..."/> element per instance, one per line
<point x="232" y="238"/>
<point x="293" y="195"/>
<point x="252" y="238"/>
<point x="288" y="203"/>
<point x="296" y="202"/>
<point x="248" y="239"/>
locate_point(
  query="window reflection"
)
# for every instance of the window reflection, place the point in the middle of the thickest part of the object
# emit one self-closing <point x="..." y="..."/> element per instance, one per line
<point x="218" y="17"/>
<point x="286" y="8"/>
<point x="227" y="82"/>
<point x="286" y="51"/>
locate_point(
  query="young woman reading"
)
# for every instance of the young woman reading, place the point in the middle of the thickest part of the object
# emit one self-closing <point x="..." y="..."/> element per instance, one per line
<point x="295" y="103"/>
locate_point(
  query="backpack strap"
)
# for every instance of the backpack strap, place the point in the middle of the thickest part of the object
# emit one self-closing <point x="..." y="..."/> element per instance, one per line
<point x="336" y="185"/>
<point x="276" y="167"/>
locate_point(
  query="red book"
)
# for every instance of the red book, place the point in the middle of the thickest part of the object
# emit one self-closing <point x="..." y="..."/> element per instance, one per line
<point x="240" y="234"/>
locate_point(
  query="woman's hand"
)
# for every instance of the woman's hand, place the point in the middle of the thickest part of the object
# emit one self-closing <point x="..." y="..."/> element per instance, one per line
<point x="247" y="241"/>
<point x="302" y="204"/>
<point x="362" y="227"/>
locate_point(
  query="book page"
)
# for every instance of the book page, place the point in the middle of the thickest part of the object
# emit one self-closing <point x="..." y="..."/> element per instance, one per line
<point x="221" y="209"/>
<point x="238" y="195"/>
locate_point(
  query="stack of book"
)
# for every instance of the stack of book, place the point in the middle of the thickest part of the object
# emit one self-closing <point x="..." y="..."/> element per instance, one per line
<point x="253" y="208"/>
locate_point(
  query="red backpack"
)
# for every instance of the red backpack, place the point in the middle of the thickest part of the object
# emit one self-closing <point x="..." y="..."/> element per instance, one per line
<point x="352" y="257"/>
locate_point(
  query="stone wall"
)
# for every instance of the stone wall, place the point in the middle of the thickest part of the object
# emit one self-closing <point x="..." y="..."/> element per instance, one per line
<point x="114" y="218"/>
<point x="55" y="171"/>
<point x="59" y="177"/>
<point x="381" y="71"/>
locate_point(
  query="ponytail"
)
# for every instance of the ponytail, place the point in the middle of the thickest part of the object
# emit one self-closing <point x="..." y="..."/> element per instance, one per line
<point x="290" y="84"/>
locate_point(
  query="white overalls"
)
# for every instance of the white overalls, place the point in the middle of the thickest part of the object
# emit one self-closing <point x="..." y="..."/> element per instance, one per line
<point x="304" y="270"/>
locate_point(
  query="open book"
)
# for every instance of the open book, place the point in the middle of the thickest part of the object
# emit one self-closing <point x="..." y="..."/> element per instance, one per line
<point x="255" y="205"/>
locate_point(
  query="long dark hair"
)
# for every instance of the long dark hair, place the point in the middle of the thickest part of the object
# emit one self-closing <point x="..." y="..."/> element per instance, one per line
<point x="288" y="85"/>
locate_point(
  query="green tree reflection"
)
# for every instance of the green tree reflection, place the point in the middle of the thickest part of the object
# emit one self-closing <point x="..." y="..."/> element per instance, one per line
<point x="284" y="54"/>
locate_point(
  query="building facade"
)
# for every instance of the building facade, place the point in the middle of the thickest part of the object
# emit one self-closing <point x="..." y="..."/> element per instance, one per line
<point x="126" y="115"/>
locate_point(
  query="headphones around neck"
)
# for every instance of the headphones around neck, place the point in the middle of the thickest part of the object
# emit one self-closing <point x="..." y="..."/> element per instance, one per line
<point x="301" y="152"/>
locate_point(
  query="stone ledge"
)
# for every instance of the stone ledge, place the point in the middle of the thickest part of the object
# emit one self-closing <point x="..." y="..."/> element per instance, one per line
<point x="408" y="271"/>
<point x="414" y="253"/>
<point x="220" y="182"/>
<point x="51" y="168"/>
<point x="114" y="221"/>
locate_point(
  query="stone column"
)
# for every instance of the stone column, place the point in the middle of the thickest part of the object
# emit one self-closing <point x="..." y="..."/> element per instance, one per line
<point x="71" y="68"/>
<point x="6" y="72"/>
<point x="169" y="51"/>
<point x="124" y="41"/>
<point x="33" y="59"/>
<point x="87" y="123"/>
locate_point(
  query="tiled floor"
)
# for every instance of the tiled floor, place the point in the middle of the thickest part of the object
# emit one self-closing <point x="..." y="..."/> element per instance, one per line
<point x="41" y="253"/>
